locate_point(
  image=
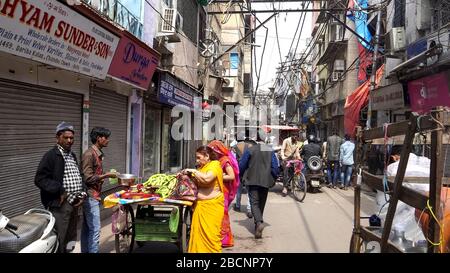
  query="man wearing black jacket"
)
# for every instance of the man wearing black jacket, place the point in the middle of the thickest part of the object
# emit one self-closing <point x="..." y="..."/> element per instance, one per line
<point x="262" y="165"/>
<point x="59" y="179"/>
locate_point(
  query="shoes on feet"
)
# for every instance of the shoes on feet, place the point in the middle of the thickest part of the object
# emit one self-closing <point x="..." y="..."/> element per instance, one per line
<point x="258" y="230"/>
<point x="249" y="214"/>
<point x="236" y="208"/>
<point x="284" y="192"/>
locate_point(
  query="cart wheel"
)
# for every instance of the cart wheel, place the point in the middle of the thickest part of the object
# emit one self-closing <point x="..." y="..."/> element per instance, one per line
<point x="125" y="239"/>
<point x="353" y="243"/>
<point x="186" y="229"/>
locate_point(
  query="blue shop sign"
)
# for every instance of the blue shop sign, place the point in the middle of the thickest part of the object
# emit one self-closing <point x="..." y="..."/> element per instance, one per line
<point x="174" y="92"/>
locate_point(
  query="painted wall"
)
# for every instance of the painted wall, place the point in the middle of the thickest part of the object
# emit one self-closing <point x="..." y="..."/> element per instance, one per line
<point x="185" y="59"/>
<point x="136" y="132"/>
<point x="151" y="21"/>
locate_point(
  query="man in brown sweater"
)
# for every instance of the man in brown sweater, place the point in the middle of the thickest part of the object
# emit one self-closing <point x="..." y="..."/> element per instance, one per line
<point x="92" y="165"/>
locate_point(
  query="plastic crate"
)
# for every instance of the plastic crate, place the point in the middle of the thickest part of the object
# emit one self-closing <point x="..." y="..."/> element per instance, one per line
<point x="153" y="225"/>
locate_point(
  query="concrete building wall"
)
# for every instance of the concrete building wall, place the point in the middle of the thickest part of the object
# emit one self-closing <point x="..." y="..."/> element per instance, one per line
<point x="151" y="21"/>
<point x="185" y="59"/>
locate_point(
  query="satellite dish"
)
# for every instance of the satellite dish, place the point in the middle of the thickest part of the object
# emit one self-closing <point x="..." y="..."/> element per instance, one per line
<point x="207" y="48"/>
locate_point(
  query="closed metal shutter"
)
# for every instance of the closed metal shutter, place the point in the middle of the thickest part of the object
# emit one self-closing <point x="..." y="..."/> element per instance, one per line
<point x="109" y="109"/>
<point x="28" y="118"/>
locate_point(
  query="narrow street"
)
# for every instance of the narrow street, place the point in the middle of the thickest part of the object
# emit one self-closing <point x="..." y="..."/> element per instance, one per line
<point x="154" y="102"/>
<point x="322" y="223"/>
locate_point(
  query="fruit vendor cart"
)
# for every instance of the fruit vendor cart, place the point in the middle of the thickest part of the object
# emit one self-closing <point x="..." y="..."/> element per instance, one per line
<point x="153" y="219"/>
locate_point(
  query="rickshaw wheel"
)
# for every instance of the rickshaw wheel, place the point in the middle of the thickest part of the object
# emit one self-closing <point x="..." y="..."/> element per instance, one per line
<point x="186" y="229"/>
<point x="124" y="241"/>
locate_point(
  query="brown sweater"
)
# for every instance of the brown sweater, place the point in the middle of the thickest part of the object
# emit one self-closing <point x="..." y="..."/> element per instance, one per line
<point x="92" y="167"/>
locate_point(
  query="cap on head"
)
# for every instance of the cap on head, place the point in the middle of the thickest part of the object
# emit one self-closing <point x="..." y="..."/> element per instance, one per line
<point x="64" y="126"/>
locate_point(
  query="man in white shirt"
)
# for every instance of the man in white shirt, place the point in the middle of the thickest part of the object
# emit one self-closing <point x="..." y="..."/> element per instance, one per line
<point x="290" y="150"/>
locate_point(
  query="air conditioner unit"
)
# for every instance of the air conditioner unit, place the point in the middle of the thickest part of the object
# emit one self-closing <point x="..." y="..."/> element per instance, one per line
<point x="229" y="83"/>
<point x="396" y="39"/>
<point x="336" y="76"/>
<point x="339" y="65"/>
<point x="94" y="3"/>
<point x="173" y="21"/>
<point x="337" y="33"/>
<point x="73" y="2"/>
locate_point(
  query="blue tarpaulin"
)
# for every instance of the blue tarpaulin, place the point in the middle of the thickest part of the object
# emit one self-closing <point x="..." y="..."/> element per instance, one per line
<point x="360" y="19"/>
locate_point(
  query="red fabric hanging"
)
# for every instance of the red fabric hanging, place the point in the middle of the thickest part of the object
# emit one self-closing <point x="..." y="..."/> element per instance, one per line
<point x="357" y="100"/>
<point x="365" y="61"/>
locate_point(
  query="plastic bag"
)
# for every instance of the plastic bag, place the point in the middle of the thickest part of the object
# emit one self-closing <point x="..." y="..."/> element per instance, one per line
<point x="185" y="189"/>
<point x="404" y="218"/>
<point x="118" y="220"/>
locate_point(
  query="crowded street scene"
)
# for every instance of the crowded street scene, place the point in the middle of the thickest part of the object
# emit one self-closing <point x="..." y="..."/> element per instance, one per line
<point x="224" y="126"/>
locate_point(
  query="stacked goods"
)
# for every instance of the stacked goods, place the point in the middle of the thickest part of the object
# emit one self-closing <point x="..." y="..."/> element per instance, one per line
<point x="164" y="183"/>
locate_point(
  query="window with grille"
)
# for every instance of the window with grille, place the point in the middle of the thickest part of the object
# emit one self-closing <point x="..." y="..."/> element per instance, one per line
<point x="441" y="14"/>
<point x="445" y="12"/>
<point x="189" y="10"/>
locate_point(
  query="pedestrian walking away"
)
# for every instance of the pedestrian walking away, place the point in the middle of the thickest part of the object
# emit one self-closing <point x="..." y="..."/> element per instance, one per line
<point x="333" y="147"/>
<point x="59" y="180"/>
<point x="346" y="161"/>
<point x="239" y="149"/>
<point x="262" y="166"/>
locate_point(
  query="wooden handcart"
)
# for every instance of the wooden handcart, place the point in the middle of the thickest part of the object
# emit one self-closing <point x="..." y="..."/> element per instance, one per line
<point x="436" y="124"/>
<point x="153" y="219"/>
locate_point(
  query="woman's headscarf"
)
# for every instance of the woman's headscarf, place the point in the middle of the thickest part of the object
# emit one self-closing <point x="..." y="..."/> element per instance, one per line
<point x="225" y="156"/>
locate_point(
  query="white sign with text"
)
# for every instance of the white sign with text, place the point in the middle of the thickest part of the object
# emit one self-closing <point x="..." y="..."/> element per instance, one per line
<point x="50" y="32"/>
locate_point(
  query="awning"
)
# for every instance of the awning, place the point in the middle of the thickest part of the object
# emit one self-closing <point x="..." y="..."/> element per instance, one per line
<point x="269" y="128"/>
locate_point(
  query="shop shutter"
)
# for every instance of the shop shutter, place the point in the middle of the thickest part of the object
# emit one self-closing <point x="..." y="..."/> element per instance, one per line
<point x="28" y="118"/>
<point x="109" y="110"/>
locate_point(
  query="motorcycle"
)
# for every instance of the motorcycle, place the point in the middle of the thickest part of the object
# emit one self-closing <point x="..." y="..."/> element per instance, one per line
<point x="31" y="232"/>
<point x="314" y="173"/>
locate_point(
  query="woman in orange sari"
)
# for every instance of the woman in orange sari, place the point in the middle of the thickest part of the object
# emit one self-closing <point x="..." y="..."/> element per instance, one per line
<point x="230" y="170"/>
<point x="209" y="208"/>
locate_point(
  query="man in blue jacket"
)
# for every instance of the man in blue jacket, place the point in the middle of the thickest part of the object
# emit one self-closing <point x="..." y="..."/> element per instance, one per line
<point x="261" y="165"/>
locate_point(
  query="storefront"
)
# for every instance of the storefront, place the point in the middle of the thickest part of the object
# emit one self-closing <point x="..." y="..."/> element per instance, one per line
<point x="46" y="77"/>
<point x="162" y="153"/>
<point x="134" y="64"/>
<point x="28" y="117"/>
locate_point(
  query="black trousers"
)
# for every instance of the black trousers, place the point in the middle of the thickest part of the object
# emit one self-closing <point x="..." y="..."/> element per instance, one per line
<point x="258" y="197"/>
<point x="66" y="218"/>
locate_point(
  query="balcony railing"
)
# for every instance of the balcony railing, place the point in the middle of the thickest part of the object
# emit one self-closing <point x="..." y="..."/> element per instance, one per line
<point x="118" y="13"/>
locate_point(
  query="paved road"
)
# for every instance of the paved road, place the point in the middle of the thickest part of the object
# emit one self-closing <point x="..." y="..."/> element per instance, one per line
<point x="323" y="222"/>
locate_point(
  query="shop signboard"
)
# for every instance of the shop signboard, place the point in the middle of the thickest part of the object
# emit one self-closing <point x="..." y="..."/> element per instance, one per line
<point x="429" y="92"/>
<point x="174" y="92"/>
<point x="51" y="33"/>
<point x="133" y="63"/>
<point x="388" y="97"/>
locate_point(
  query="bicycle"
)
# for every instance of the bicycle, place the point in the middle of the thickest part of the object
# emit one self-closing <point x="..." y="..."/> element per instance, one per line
<point x="297" y="182"/>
